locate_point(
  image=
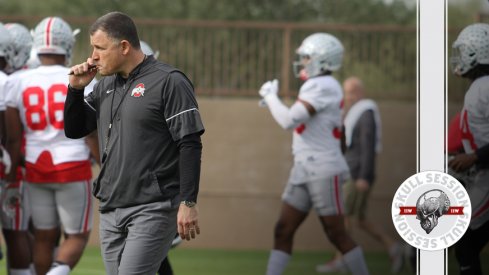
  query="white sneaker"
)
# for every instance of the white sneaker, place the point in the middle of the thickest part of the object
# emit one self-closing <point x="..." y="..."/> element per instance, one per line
<point x="335" y="265"/>
<point x="396" y="254"/>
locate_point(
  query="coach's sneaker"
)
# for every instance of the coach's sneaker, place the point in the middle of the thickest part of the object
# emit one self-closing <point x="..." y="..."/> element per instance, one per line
<point x="396" y="255"/>
<point x="335" y="265"/>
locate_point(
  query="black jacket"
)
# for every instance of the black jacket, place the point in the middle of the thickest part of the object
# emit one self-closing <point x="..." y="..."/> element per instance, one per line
<point x="153" y="113"/>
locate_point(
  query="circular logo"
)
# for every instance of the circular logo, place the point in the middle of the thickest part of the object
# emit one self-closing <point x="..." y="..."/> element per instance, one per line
<point x="431" y="210"/>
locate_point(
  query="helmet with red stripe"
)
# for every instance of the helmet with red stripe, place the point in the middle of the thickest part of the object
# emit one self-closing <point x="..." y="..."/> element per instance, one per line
<point x="54" y="36"/>
<point x="22" y="41"/>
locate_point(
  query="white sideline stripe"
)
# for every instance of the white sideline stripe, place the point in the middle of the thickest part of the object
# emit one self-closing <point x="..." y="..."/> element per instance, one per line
<point x="89" y="105"/>
<point x="182" y="113"/>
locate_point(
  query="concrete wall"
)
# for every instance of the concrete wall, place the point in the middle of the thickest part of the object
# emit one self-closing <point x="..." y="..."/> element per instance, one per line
<point x="245" y="164"/>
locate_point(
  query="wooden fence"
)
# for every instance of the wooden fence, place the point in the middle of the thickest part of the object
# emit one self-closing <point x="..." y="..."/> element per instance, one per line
<point x="233" y="58"/>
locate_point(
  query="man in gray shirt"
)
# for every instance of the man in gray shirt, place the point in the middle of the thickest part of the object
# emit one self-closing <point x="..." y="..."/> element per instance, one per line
<point x="149" y="130"/>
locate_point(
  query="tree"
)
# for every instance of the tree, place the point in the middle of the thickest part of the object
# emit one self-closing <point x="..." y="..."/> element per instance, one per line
<point x="327" y="11"/>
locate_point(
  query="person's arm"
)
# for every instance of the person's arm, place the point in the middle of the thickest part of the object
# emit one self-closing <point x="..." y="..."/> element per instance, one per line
<point x="343" y="140"/>
<point x="190" y="148"/>
<point x="3" y="107"/>
<point x="186" y="127"/>
<point x="287" y="118"/>
<point x="92" y="141"/>
<point x="14" y="141"/>
<point x="3" y="131"/>
<point x="463" y="161"/>
<point x="4" y="155"/>
<point x="79" y="115"/>
<point x="482" y="155"/>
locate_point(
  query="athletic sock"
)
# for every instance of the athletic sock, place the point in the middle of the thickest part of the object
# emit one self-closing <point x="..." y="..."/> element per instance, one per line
<point x="32" y="268"/>
<point x="58" y="268"/>
<point x="355" y="261"/>
<point x="277" y="262"/>
<point x="55" y="252"/>
<point x="24" y="271"/>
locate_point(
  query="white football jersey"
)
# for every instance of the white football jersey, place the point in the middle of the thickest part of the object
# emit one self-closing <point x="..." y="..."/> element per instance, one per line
<point x="320" y="136"/>
<point x="3" y="91"/>
<point x="39" y="95"/>
<point x="474" y="118"/>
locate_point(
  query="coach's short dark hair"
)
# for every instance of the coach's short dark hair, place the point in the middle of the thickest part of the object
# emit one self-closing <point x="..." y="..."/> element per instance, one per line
<point x="119" y="26"/>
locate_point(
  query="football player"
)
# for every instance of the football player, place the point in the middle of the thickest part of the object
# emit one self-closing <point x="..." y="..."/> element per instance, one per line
<point x="15" y="212"/>
<point x="319" y="169"/>
<point x="6" y="51"/>
<point x="363" y="136"/>
<point x="58" y="169"/>
<point x="470" y="59"/>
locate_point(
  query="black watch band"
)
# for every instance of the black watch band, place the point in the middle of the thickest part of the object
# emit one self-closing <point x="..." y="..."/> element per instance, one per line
<point x="189" y="203"/>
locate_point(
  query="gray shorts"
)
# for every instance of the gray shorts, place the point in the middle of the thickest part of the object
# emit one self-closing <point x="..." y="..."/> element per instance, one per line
<point x="134" y="240"/>
<point x="325" y="195"/>
<point x="66" y="204"/>
<point x="16" y="211"/>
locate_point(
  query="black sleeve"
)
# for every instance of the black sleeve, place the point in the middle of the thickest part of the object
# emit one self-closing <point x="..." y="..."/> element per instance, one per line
<point x="79" y="117"/>
<point x="190" y="147"/>
<point x="366" y="125"/>
<point x="180" y="107"/>
<point x="483" y="155"/>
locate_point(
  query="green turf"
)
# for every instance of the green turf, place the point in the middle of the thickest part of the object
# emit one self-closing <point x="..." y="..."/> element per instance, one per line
<point x="226" y="262"/>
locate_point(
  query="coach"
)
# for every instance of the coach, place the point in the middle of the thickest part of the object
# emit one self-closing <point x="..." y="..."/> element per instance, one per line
<point x="149" y="130"/>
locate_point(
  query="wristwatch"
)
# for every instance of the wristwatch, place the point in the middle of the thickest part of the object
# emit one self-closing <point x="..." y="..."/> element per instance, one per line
<point x="189" y="204"/>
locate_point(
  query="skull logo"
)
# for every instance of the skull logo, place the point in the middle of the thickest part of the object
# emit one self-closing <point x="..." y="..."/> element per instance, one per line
<point x="430" y="206"/>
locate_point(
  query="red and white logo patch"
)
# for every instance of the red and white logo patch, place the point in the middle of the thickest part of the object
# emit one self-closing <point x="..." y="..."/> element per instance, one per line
<point x="138" y="91"/>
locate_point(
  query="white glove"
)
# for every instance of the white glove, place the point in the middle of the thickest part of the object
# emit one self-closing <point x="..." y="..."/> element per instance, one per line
<point x="262" y="103"/>
<point x="5" y="160"/>
<point x="269" y="88"/>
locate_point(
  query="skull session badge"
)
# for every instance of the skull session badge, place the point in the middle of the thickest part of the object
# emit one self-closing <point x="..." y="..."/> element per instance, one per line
<point x="431" y="210"/>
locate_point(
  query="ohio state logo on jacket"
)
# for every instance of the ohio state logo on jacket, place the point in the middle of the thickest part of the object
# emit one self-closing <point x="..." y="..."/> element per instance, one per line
<point x="138" y="91"/>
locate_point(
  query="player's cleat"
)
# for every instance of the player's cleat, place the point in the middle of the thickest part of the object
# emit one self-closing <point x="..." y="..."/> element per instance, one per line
<point x="335" y="265"/>
<point x="59" y="268"/>
<point x="396" y="254"/>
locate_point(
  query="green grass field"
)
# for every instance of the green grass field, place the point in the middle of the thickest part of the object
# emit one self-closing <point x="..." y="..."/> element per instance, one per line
<point x="227" y="262"/>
